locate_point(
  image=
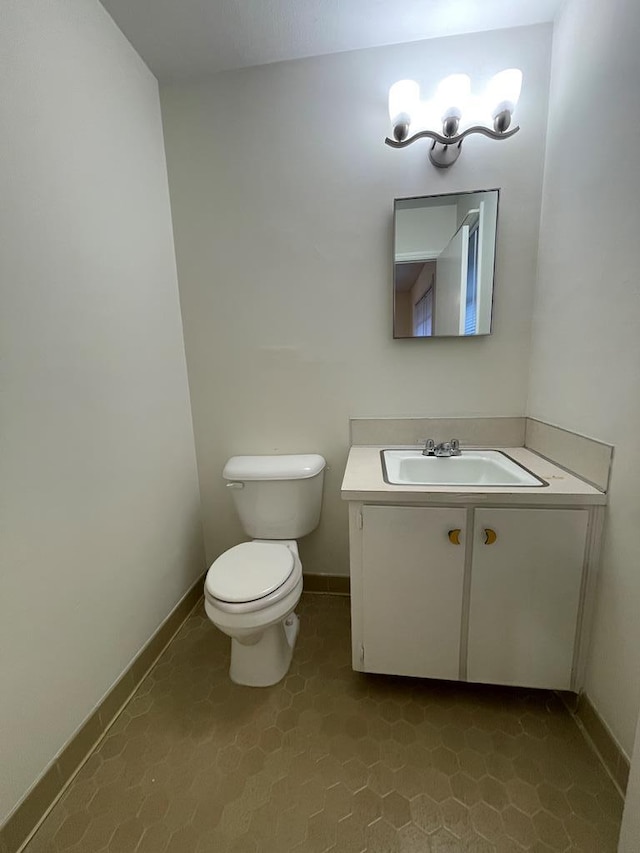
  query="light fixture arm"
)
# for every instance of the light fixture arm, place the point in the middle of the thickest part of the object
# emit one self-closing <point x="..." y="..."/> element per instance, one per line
<point x="446" y="155"/>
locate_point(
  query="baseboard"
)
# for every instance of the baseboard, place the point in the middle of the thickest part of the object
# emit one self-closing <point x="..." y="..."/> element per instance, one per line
<point x="40" y="799"/>
<point x="334" y="584"/>
<point x="602" y="741"/>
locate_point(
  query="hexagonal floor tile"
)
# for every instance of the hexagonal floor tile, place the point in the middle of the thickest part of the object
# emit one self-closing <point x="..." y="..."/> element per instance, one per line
<point x="330" y="760"/>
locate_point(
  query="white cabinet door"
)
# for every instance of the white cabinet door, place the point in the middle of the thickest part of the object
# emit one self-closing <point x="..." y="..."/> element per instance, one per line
<point x="412" y="584"/>
<point x="525" y="596"/>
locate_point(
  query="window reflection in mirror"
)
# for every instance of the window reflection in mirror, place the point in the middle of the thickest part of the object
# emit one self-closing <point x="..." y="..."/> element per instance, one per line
<point x="444" y="256"/>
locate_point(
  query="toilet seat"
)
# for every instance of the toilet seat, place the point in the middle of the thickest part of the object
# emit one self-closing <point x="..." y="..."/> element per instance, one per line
<point x="252" y="576"/>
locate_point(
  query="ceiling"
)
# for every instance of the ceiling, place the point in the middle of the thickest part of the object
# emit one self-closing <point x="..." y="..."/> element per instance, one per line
<point x="185" y="39"/>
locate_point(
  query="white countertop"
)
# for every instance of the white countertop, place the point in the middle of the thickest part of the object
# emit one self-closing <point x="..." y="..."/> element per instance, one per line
<point x="363" y="481"/>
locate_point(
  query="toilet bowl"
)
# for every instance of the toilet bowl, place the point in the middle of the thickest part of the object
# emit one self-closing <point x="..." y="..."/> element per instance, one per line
<point x="251" y="591"/>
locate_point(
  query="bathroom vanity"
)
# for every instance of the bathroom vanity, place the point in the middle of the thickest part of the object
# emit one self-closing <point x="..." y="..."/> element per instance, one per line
<point x="489" y="584"/>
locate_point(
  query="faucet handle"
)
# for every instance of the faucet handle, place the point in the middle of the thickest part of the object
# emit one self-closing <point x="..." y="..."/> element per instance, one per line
<point x="455" y="447"/>
<point x="429" y="446"/>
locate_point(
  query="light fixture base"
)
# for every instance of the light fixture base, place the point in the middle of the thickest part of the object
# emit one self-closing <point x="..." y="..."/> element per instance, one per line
<point x="401" y="130"/>
<point x="443" y="156"/>
<point x="501" y="121"/>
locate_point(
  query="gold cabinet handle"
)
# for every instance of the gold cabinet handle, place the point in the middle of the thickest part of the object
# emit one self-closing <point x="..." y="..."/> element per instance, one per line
<point x="490" y="536"/>
<point x="454" y="536"/>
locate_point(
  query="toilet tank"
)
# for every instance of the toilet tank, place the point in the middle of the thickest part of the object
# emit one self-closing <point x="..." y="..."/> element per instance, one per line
<point x="277" y="497"/>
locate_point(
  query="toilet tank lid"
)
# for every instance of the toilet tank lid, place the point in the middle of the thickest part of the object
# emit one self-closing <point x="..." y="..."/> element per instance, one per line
<point x="290" y="467"/>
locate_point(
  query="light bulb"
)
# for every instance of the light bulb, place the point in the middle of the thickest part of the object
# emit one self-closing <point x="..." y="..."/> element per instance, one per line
<point x="452" y="95"/>
<point x="503" y="91"/>
<point x="404" y="98"/>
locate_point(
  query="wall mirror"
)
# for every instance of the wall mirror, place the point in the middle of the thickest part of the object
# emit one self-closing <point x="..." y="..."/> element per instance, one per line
<point x="444" y="250"/>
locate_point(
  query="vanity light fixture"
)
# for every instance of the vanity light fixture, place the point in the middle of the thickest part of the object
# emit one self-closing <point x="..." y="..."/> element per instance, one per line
<point x="488" y="114"/>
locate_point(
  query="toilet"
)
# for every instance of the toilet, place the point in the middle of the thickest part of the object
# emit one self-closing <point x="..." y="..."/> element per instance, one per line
<point x="251" y="591"/>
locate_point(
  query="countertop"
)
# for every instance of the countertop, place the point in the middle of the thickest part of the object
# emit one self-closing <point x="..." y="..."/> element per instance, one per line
<point x="363" y="481"/>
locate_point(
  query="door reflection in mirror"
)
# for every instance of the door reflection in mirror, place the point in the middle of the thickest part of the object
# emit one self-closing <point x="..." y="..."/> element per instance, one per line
<point x="444" y="258"/>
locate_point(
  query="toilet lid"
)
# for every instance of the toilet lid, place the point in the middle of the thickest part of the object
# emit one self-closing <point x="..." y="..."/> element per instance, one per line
<point x="249" y="571"/>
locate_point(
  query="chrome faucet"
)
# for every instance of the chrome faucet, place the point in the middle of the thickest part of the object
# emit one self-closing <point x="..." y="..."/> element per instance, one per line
<point x="445" y="448"/>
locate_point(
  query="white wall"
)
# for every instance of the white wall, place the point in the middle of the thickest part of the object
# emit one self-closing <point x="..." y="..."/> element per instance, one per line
<point x="100" y="518"/>
<point x="283" y="168"/>
<point x="423" y="232"/>
<point x="586" y="342"/>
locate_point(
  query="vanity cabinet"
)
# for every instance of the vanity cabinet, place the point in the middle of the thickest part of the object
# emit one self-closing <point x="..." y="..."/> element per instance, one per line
<point x="489" y="595"/>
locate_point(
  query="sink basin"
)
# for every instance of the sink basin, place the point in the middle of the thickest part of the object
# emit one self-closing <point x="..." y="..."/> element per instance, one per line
<point x="471" y="468"/>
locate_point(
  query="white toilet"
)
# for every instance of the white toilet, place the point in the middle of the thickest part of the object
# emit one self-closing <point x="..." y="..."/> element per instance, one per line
<point x="252" y="589"/>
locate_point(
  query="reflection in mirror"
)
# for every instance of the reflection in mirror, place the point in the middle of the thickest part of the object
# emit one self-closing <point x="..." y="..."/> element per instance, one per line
<point x="444" y="254"/>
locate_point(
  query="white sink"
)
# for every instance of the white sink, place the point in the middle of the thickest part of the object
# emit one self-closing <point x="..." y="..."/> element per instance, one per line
<point x="471" y="468"/>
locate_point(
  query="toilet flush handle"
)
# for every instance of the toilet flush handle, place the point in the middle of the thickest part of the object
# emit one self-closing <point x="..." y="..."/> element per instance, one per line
<point x="235" y="485"/>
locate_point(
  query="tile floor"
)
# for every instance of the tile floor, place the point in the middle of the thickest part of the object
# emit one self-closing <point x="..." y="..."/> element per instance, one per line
<point x="331" y="760"/>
